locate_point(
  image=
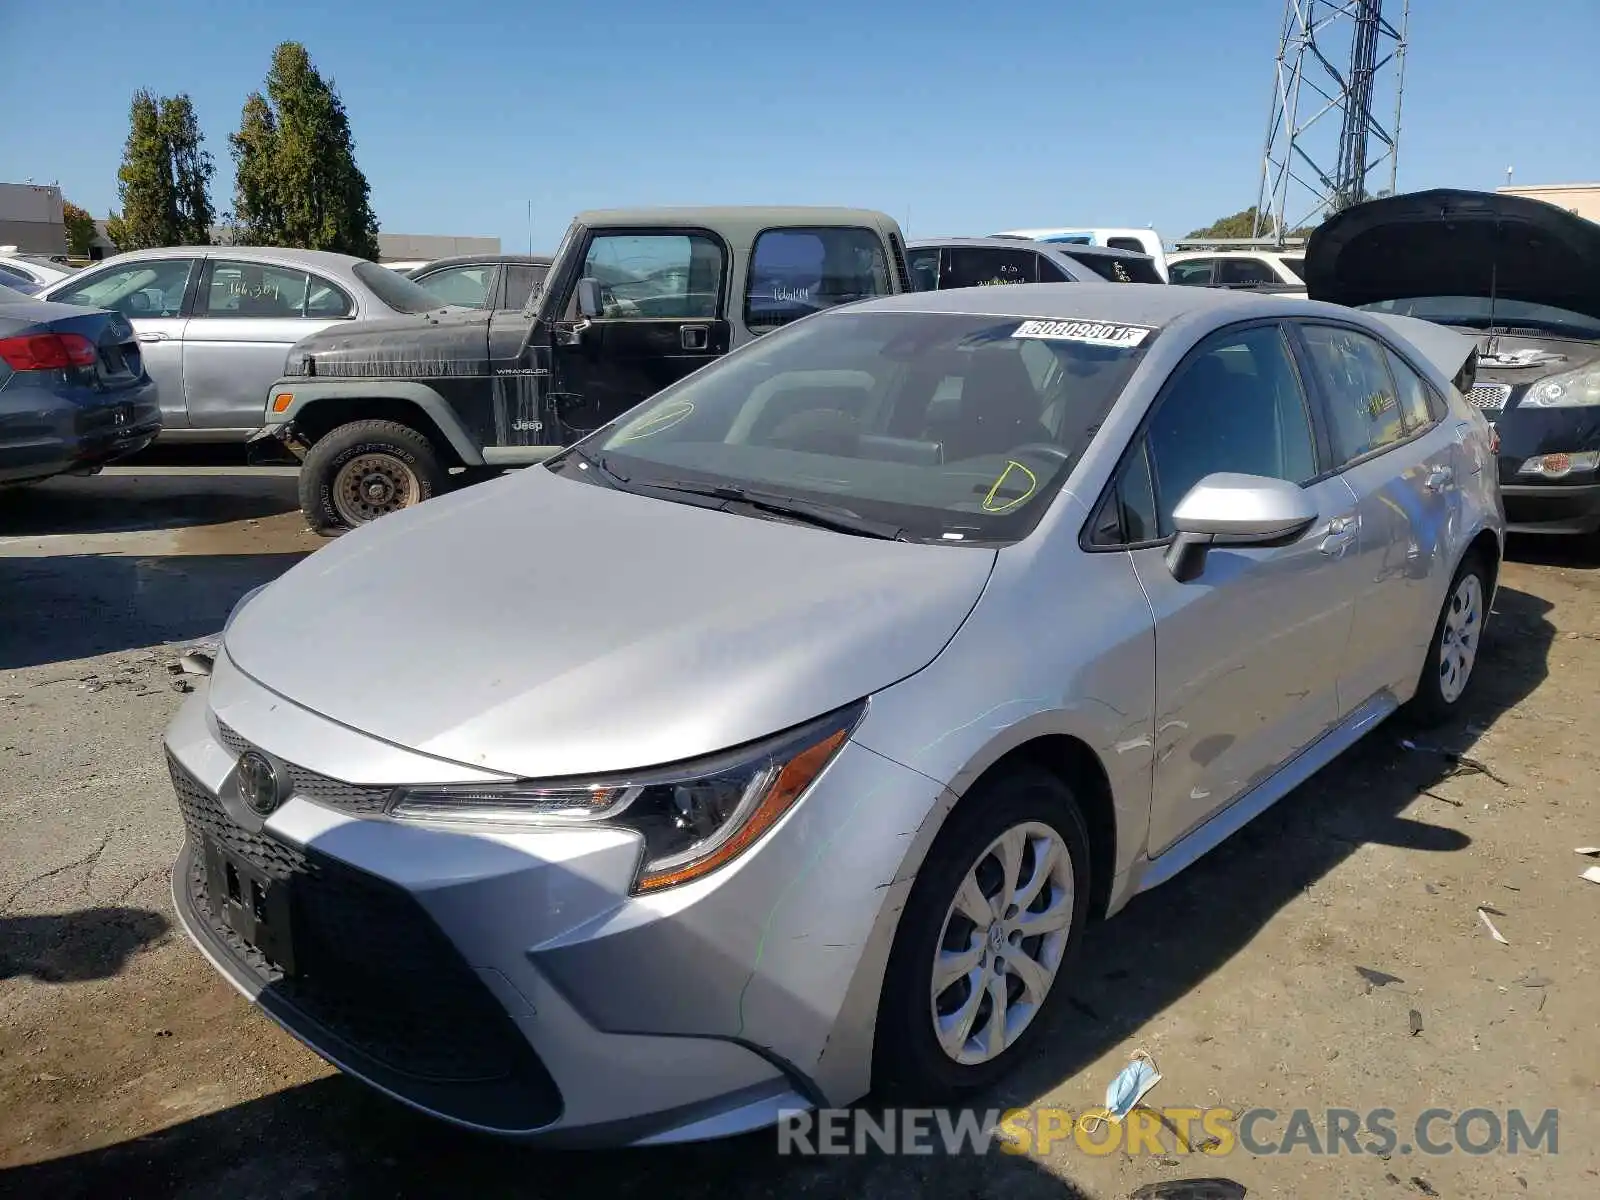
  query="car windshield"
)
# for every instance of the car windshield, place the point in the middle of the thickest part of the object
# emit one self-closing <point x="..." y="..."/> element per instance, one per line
<point x="395" y="290"/>
<point x="949" y="427"/>
<point x="1473" y="312"/>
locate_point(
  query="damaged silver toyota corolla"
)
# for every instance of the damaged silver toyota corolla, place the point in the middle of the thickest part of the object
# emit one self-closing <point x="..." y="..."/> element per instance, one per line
<point x="777" y="740"/>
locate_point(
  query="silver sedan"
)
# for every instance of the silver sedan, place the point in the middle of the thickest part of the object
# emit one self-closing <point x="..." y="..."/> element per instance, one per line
<point x="215" y="323"/>
<point x="778" y="740"/>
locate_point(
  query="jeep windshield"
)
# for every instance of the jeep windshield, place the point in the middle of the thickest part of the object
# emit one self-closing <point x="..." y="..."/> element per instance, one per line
<point x="1472" y="312"/>
<point x="943" y="427"/>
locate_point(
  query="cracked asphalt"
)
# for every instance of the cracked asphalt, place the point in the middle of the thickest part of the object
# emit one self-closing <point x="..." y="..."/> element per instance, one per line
<point x="1331" y="955"/>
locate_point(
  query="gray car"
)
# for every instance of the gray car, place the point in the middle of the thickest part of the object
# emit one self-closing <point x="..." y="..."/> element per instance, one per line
<point x="842" y="682"/>
<point x="216" y="322"/>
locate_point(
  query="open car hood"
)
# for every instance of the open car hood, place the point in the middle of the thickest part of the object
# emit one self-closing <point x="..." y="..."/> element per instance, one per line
<point x="1456" y="243"/>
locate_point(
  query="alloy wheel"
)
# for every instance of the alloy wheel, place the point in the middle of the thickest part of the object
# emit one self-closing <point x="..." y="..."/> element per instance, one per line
<point x="1458" y="639"/>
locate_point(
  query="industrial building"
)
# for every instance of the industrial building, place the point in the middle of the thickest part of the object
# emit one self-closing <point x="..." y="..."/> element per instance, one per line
<point x="1580" y="198"/>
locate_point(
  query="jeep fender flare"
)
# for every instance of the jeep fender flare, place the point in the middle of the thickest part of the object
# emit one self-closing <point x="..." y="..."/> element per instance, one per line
<point x="309" y="393"/>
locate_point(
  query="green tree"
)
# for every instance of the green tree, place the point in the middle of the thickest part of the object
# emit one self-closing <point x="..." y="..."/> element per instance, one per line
<point x="80" y="229"/>
<point x="294" y="157"/>
<point x="1242" y="224"/>
<point x="117" y="231"/>
<point x="165" y="176"/>
<point x="192" y="170"/>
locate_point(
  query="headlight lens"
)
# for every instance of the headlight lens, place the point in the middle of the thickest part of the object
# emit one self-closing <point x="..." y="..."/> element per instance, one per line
<point x="1573" y="389"/>
<point x="693" y="819"/>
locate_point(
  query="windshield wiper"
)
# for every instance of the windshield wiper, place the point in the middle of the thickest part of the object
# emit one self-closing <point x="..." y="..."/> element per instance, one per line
<point x="598" y="461"/>
<point x="808" y="512"/>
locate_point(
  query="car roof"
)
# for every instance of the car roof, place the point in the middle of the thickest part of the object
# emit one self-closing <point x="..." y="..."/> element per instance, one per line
<point x="1112" y="302"/>
<point x="737" y="220"/>
<point x="467" y="260"/>
<point x="325" y="259"/>
<point x="1006" y="243"/>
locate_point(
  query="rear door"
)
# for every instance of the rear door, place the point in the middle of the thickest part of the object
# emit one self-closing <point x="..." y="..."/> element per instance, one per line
<point x="246" y="315"/>
<point x="154" y="294"/>
<point x="663" y="296"/>
<point x="1388" y="444"/>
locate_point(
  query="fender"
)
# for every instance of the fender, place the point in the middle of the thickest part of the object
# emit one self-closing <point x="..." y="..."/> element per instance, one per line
<point x="305" y="392"/>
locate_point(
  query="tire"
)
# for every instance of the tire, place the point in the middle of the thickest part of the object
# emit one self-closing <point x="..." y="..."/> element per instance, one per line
<point x="909" y="1060"/>
<point x="1453" y="653"/>
<point x="400" y="468"/>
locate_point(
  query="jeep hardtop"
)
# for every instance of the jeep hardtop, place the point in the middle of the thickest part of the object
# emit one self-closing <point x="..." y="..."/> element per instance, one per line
<point x="383" y="414"/>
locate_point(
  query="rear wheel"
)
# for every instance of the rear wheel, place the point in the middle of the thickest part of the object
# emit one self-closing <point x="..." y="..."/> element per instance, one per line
<point x="1456" y="642"/>
<point x="365" y="470"/>
<point x="991" y="924"/>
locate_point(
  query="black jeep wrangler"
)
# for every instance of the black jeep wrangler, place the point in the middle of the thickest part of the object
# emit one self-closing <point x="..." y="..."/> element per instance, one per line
<point x="383" y="414"/>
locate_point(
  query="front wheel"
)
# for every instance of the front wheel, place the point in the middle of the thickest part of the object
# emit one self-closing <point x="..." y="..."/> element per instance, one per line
<point x="991" y="924"/>
<point x="365" y="470"/>
<point x="1457" y="638"/>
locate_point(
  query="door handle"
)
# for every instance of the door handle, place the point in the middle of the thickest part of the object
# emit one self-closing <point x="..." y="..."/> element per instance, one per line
<point x="153" y="337"/>
<point x="1341" y="532"/>
<point x="1438" y="479"/>
<point x="694" y="337"/>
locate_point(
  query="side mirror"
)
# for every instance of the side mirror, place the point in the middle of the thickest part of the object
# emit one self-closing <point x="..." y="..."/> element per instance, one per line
<point x="1235" y="510"/>
<point x="589" y="298"/>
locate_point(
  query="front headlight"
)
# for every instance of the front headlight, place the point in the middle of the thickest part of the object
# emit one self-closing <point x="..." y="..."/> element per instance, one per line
<point x="1571" y="389"/>
<point x="694" y="818"/>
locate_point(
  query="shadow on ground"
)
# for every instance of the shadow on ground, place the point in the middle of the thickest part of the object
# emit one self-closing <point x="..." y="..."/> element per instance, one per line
<point x="72" y="947"/>
<point x="124" y="503"/>
<point x="333" y="1137"/>
<point x="71" y="606"/>
<point x="1578" y="553"/>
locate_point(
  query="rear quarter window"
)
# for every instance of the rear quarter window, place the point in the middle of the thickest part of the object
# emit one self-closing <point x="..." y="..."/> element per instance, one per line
<point x="795" y="272"/>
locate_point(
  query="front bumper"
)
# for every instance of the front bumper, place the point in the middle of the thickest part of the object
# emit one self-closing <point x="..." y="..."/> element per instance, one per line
<point x="1559" y="508"/>
<point x="506" y="981"/>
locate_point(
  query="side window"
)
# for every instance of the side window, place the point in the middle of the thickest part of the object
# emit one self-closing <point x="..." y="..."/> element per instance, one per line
<point x="1245" y="271"/>
<point x="924" y="262"/>
<point x="1234" y="404"/>
<point x="522" y="280"/>
<point x="1296" y="266"/>
<point x="467" y="285"/>
<point x="1133" y="244"/>
<point x="1195" y="272"/>
<point x="1364" y="413"/>
<point x="1419" y="407"/>
<point x="142" y="289"/>
<point x="1128" y="514"/>
<point x="672" y="276"/>
<point x="796" y="272"/>
<point x="325" y="299"/>
<point x="245" y="289"/>
<point x="983" y="266"/>
<point x="1051" y="272"/>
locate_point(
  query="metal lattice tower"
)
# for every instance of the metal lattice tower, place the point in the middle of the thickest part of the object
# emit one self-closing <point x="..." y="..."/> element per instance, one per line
<point x="1337" y="60"/>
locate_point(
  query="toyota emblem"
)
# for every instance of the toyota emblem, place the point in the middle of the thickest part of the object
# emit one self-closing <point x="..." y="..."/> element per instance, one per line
<point x="259" y="783"/>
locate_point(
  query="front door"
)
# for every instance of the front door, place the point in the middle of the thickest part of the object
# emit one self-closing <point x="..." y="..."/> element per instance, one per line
<point x="151" y="294"/>
<point x="663" y="298"/>
<point x="1248" y="653"/>
<point x="1400" y="460"/>
<point x="246" y="316"/>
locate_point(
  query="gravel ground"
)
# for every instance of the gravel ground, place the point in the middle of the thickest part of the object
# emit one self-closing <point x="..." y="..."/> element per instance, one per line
<point x="1331" y="955"/>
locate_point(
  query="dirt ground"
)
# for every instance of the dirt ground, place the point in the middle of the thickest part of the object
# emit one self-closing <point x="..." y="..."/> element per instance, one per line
<point x="1281" y="972"/>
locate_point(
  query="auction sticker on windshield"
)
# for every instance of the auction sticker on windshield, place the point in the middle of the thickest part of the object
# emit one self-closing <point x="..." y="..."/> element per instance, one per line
<point x="1093" y="333"/>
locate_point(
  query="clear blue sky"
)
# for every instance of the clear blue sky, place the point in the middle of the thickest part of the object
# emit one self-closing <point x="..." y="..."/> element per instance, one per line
<point x="955" y="118"/>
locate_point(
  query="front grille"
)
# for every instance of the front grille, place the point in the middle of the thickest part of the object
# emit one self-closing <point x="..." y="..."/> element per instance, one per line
<point x="1489" y="395"/>
<point x="373" y="971"/>
<point x="334" y="793"/>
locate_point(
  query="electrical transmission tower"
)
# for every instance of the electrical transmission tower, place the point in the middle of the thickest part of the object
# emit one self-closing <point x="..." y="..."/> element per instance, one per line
<point x="1338" y="60"/>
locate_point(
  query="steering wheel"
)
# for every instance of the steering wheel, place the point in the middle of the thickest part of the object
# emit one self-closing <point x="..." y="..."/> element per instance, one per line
<point x="1043" y="450"/>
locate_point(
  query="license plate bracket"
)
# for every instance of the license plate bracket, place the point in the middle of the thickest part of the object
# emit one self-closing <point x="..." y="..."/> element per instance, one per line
<point x="252" y="904"/>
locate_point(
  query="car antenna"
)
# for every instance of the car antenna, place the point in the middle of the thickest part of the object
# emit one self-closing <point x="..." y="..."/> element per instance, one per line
<point x="1491" y="348"/>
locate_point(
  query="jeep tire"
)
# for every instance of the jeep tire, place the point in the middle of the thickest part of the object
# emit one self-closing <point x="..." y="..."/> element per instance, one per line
<point x="359" y="472"/>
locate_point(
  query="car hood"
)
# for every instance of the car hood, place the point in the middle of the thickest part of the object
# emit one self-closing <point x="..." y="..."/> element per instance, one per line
<point x="437" y="342"/>
<point x="1456" y="243"/>
<point x="542" y="627"/>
